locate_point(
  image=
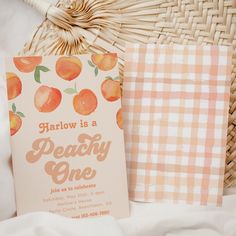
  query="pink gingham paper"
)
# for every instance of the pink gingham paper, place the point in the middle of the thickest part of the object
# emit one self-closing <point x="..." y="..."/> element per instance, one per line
<point x="175" y="111"/>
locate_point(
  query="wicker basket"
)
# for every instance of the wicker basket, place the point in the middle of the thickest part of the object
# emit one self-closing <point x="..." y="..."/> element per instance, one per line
<point x="74" y="27"/>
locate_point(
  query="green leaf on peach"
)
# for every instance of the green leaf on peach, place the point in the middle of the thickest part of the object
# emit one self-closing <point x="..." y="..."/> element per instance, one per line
<point x="42" y="68"/>
<point x="91" y="64"/>
<point x="13" y="107"/>
<point x="117" y="78"/>
<point x="37" y="75"/>
<point x="96" y="71"/>
<point x="20" y="114"/>
<point x="70" y="91"/>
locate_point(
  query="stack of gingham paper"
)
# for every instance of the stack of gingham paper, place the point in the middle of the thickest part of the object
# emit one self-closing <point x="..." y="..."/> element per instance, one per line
<point x="175" y="107"/>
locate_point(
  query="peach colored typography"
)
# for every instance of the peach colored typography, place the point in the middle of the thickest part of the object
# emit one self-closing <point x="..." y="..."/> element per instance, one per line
<point x="88" y="145"/>
<point x="60" y="172"/>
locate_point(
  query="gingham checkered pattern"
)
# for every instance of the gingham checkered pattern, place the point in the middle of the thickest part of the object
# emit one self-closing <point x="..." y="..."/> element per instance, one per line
<point x="175" y="106"/>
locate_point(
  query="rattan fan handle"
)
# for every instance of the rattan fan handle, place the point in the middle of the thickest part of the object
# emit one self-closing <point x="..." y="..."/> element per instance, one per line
<point x="41" y="5"/>
<point x="56" y="15"/>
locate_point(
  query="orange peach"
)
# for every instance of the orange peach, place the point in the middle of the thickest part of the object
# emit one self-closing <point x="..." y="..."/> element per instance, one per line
<point x="47" y="99"/>
<point x="119" y="118"/>
<point x="111" y="90"/>
<point x="14" y="85"/>
<point x="68" y="68"/>
<point x="85" y="102"/>
<point x="105" y="62"/>
<point x="27" y="64"/>
<point x="15" y="122"/>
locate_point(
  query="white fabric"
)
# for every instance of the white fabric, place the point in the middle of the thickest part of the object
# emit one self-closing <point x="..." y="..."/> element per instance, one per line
<point x="152" y="219"/>
<point x="147" y="219"/>
<point x="45" y="224"/>
<point x="17" y="22"/>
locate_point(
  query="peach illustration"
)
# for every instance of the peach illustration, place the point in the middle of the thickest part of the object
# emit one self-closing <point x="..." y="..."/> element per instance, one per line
<point x="85" y="102"/>
<point x="27" y="64"/>
<point x="15" y="120"/>
<point x="47" y="99"/>
<point x="105" y="62"/>
<point x="68" y="68"/>
<point x="111" y="90"/>
<point x="14" y="85"/>
<point x="119" y="118"/>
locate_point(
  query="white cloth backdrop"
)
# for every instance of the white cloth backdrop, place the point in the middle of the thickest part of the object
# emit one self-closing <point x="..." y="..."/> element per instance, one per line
<point x="17" y="22"/>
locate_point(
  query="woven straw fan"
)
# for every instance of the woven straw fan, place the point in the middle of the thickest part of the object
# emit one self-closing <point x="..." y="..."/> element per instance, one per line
<point x="100" y="25"/>
<point x="82" y="26"/>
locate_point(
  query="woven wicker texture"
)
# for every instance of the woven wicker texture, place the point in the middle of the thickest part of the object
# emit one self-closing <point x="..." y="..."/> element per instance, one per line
<point x="75" y="27"/>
